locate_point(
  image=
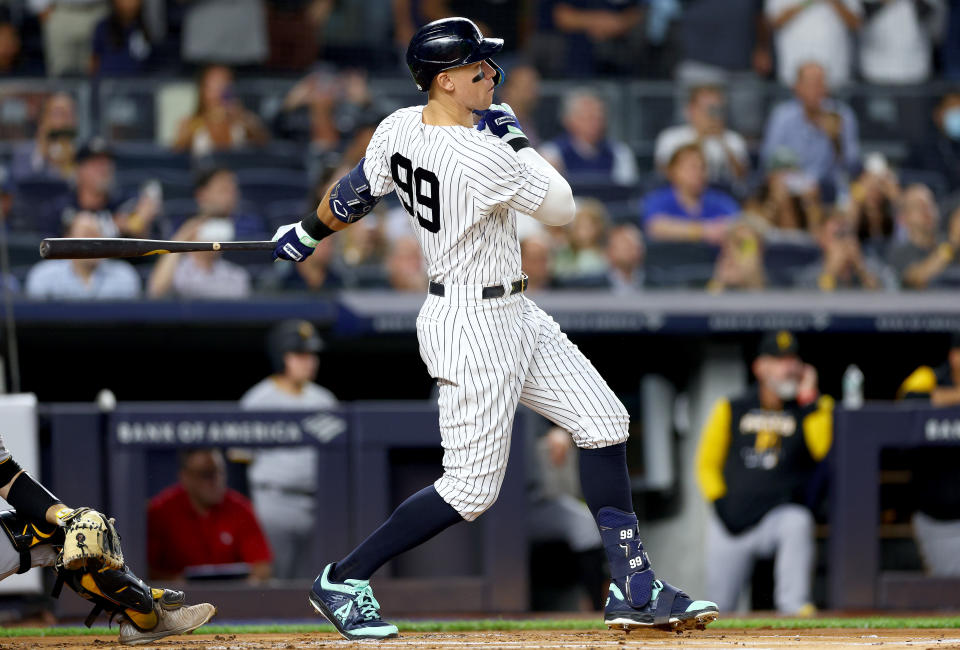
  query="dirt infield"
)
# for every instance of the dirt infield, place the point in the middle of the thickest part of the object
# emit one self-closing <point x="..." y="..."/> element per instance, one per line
<point x="822" y="638"/>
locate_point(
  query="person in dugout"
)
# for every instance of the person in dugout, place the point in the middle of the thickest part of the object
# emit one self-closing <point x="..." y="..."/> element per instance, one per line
<point x="756" y="456"/>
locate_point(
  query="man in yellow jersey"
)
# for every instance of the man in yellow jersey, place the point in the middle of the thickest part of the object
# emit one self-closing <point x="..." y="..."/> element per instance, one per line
<point x="936" y="489"/>
<point x="754" y="462"/>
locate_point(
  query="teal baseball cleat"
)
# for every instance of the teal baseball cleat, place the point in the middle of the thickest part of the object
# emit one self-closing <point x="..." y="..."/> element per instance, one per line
<point x="637" y="599"/>
<point x="668" y="608"/>
<point x="350" y="606"/>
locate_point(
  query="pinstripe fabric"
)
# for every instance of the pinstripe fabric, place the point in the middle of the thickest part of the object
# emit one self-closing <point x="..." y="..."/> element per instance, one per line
<point x="488" y="356"/>
<point x="482" y="183"/>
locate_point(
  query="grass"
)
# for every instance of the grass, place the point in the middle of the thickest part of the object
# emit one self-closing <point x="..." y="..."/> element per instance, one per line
<point x="872" y="622"/>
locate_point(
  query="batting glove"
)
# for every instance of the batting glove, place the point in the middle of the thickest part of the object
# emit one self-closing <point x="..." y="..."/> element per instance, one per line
<point x="293" y="243"/>
<point x="501" y="122"/>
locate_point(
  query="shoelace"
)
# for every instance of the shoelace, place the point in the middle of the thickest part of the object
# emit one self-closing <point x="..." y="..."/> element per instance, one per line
<point x="367" y="604"/>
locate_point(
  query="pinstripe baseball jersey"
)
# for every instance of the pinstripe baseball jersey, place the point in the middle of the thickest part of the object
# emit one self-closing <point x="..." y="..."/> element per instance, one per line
<point x="462" y="189"/>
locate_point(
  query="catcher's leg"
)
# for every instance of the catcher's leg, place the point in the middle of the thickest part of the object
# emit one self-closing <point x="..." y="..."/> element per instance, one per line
<point x="146" y="614"/>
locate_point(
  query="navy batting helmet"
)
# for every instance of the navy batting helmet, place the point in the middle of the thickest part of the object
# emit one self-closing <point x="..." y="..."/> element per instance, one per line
<point x="449" y="43"/>
<point x="291" y="336"/>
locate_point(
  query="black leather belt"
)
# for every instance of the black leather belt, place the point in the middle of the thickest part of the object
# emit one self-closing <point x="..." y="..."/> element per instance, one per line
<point x="494" y="291"/>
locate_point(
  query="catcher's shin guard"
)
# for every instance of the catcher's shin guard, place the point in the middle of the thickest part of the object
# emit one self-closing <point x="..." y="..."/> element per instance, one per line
<point x="25" y="534"/>
<point x="117" y="591"/>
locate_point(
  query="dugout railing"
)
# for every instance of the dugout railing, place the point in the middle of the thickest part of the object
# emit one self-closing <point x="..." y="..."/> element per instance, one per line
<point x="856" y="578"/>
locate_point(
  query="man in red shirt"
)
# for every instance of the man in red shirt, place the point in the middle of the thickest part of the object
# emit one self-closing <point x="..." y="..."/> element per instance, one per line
<point x="223" y="528"/>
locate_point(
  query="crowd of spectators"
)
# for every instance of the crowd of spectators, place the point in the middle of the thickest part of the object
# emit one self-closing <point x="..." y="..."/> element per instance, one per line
<point x="725" y="199"/>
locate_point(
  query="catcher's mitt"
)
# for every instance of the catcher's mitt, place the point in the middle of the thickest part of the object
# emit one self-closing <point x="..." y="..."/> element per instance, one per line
<point x="90" y="540"/>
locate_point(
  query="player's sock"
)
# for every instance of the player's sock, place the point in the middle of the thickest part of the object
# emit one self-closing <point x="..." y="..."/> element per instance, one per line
<point x="416" y="520"/>
<point x="604" y="478"/>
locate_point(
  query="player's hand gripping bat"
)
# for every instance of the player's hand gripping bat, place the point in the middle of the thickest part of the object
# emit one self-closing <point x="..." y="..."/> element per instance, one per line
<point x="89" y="248"/>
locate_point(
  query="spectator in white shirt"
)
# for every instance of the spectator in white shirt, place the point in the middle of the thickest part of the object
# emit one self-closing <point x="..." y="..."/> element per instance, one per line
<point x="724" y="150"/>
<point x="83" y="279"/>
<point x="896" y="42"/>
<point x="814" y="30"/>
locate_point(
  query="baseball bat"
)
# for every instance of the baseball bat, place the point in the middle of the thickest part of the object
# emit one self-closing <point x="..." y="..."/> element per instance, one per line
<point x="89" y="248"/>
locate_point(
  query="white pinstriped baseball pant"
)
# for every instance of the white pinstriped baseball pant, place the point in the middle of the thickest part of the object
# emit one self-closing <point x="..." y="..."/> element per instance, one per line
<point x="488" y="356"/>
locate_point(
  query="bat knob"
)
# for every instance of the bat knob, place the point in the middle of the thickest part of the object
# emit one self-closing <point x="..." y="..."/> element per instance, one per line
<point x="44" y="248"/>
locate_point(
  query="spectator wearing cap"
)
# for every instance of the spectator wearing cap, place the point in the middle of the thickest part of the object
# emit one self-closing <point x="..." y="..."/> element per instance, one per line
<point x="924" y="259"/>
<point x="200" y="275"/>
<point x="95" y="279"/>
<point x="755" y="458"/>
<point x="284" y="480"/>
<point x="939" y="151"/>
<point x="936" y="489"/>
<point x="844" y="264"/>
<point x="52" y="152"/>
<point x="686" y="209"/>
<point x="814" y="30"/>
<point x="584" y="152"/>
<point x="820" y="131"/>
<point x="92" y="193"/>
<point x="725" y="151"/>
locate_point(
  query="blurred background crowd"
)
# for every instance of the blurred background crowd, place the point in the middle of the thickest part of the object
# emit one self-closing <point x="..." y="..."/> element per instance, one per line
<point x="717" y="145"/>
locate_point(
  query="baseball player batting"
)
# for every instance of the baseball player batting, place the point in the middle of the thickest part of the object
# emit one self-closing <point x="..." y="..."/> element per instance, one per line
<point x="489" y="347"/>
<point x="84" y="548"/>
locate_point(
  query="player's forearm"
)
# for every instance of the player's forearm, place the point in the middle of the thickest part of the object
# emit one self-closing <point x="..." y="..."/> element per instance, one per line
<point x="322" y="219"/>
<point x="557" y="207"/>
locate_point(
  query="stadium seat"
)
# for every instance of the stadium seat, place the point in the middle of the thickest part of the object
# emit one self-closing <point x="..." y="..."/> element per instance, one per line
<point x="278" y="155"/>
<point x="265" y="186"/>
<point x="932" y="179"/>
<point x="679" y="264"/>
<point x="131" y="155"/>
<point x="783" y="261"/>
<point x="176" y="183"/>
<point x="283" y="212"/>
<point x="39" y="189"/>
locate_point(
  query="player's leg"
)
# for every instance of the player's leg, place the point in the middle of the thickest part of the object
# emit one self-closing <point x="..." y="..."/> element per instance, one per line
<point x="562" y="385"/>
<point x="792" y="525"/>
<point x="146" y="613"/>
<point x="477" y="367"/>
<point x="729" y="559"/>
